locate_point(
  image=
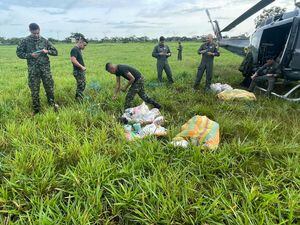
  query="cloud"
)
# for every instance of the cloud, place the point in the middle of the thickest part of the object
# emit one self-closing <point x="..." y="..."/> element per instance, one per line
<point x="133" y="24"/>
<point x="91" y="21"/>
<point x="65" y="4"/>
<point x="99" y="18"/>
<point x="54" y="11"/>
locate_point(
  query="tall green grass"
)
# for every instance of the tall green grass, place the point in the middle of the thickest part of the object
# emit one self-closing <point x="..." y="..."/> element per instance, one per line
<point x="76" y="167"/>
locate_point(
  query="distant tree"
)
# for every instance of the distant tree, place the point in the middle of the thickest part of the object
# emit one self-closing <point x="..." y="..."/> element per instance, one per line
<point x="76" y="35"/>
<point x="53" y="40"/>
<point x="274" y="11"/>
<point x="2" y="40"/>
<point x="13" y="41"/>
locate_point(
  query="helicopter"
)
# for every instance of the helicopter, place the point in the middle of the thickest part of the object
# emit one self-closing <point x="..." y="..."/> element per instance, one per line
<point x="278" y="37"/>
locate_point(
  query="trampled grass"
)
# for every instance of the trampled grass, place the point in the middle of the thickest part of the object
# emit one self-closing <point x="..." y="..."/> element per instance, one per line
<point x="75" y="167"/>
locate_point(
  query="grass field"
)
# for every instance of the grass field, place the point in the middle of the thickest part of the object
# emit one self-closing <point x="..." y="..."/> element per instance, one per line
<point x="76" y="167"/>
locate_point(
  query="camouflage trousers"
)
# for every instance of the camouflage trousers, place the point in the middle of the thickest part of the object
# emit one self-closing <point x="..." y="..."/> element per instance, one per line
<point x="261" y="79"/>
<point x="36" y="74"/>
<point x="138" y="88"/>
<point x="164" y="66"/>
<point x="179" y="57"/>
<point x="81" y="83"/>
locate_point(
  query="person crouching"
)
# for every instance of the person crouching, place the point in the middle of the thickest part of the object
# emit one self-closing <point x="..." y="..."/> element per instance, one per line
<point x="135" y="84"/>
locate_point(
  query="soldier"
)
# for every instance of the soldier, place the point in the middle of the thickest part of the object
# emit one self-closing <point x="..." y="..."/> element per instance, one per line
<point x="246" y="68"/>
<point x="79" y="66"/>
<point x="180" y="47"/>
<point x="208" y="51"/>
<point x="267" y="72"/>
<point x="162" y="52"/>
<point x="36" y="49"/>
<point x="135" y="84"/>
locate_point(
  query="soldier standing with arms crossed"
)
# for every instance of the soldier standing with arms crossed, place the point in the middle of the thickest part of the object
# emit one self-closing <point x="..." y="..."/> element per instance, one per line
<point x="79" y="67"/>
<point x="36" y="49"/>
<point x="208" y="51"/>
<point x="162" y="52"/>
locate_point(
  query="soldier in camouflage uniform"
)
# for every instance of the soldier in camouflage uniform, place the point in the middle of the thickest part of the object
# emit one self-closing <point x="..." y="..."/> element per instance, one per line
<point x="135" y="84"/>
<point x="208" y="51"/>
<point x="79" y="66"/>
<point x="180" y="48"/>
<point x="36" y="49"/>
<point x="267" y="73"/>
<point x="162" y="52"/>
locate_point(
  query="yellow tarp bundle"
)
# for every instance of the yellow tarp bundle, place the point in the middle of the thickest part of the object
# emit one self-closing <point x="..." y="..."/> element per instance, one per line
<point x="199" y="131"/>
<point x="237" y="94"/>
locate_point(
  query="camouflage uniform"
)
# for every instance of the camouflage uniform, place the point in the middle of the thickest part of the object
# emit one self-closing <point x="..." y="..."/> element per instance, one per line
<point x="273" y="69"/>
<point x="207" y="63"/>
<point x="162" y="62"/>
<point x="179" y="52"/>
<point x="138" y="88"/>
<point x="81" y="83"/>
<point x="246" y="69"/>
<point x="78" y="73"/>
<point x="38" y="68"/>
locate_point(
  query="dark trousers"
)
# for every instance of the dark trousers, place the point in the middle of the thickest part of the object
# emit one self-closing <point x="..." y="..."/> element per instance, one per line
<point x="261" y="79"/>
<point x="179" y="57"/>
<point x="208" y="67"/>
<point x="35" y="76"/>
<point x="164" y="66"/>
<point x="138" y="88"/>
<point x="80" y="83"/>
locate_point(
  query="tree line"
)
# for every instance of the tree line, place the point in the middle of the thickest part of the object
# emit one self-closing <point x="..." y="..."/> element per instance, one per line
<point x="133" y="39"/>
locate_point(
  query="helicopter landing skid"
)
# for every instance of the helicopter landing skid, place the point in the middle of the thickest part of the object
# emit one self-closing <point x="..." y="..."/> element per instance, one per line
<point x="285" y="96"/>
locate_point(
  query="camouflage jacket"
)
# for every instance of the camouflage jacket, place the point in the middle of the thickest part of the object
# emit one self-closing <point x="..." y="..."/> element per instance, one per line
<point x="269" y="69"/>
<point x="30" y="45"/>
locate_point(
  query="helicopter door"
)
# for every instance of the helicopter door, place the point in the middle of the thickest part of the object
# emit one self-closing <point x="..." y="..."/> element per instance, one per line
<point x="291" y="55"/>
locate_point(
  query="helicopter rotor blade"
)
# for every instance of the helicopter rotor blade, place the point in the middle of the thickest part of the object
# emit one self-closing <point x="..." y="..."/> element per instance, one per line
<point x="208" y="14"/>
<point x="260" y="5"/>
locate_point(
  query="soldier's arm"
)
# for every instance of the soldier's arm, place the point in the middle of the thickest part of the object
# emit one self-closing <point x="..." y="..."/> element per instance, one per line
<point x="21" y="51"/>
<point x="155" y="52"/>
<point x="169" y="53"/>
<point x="51" y="49"/>
<point x="76" y="63"/>
<point x="118" y="87"/>
<point x="261" y="69"/>
<point x="130" y="82"/>
<point x="277" y="71"/>
<point x="201" y="49"/>
<point x="216" y="52"/>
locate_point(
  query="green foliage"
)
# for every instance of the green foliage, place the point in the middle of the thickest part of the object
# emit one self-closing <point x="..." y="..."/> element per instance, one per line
<point x="75" y="167"/>
<point x="267" y="13"/>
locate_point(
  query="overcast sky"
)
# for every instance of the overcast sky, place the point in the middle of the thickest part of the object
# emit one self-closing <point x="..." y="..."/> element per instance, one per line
<point x="100" y="18"/>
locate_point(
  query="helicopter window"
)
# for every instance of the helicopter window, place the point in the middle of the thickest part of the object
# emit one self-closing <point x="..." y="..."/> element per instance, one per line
<point x="273" y="42"/>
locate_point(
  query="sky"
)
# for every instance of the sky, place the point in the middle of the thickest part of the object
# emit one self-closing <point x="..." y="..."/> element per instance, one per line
<point x="123" y="18"/>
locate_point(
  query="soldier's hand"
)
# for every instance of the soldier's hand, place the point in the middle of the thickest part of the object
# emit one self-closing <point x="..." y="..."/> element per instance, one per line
<point x="35" y="55"/>
<point x="45" y="51"/>
<point x="83" y="68"/>
<point x="252" y="77"/>
<point x="210" y="53"/>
